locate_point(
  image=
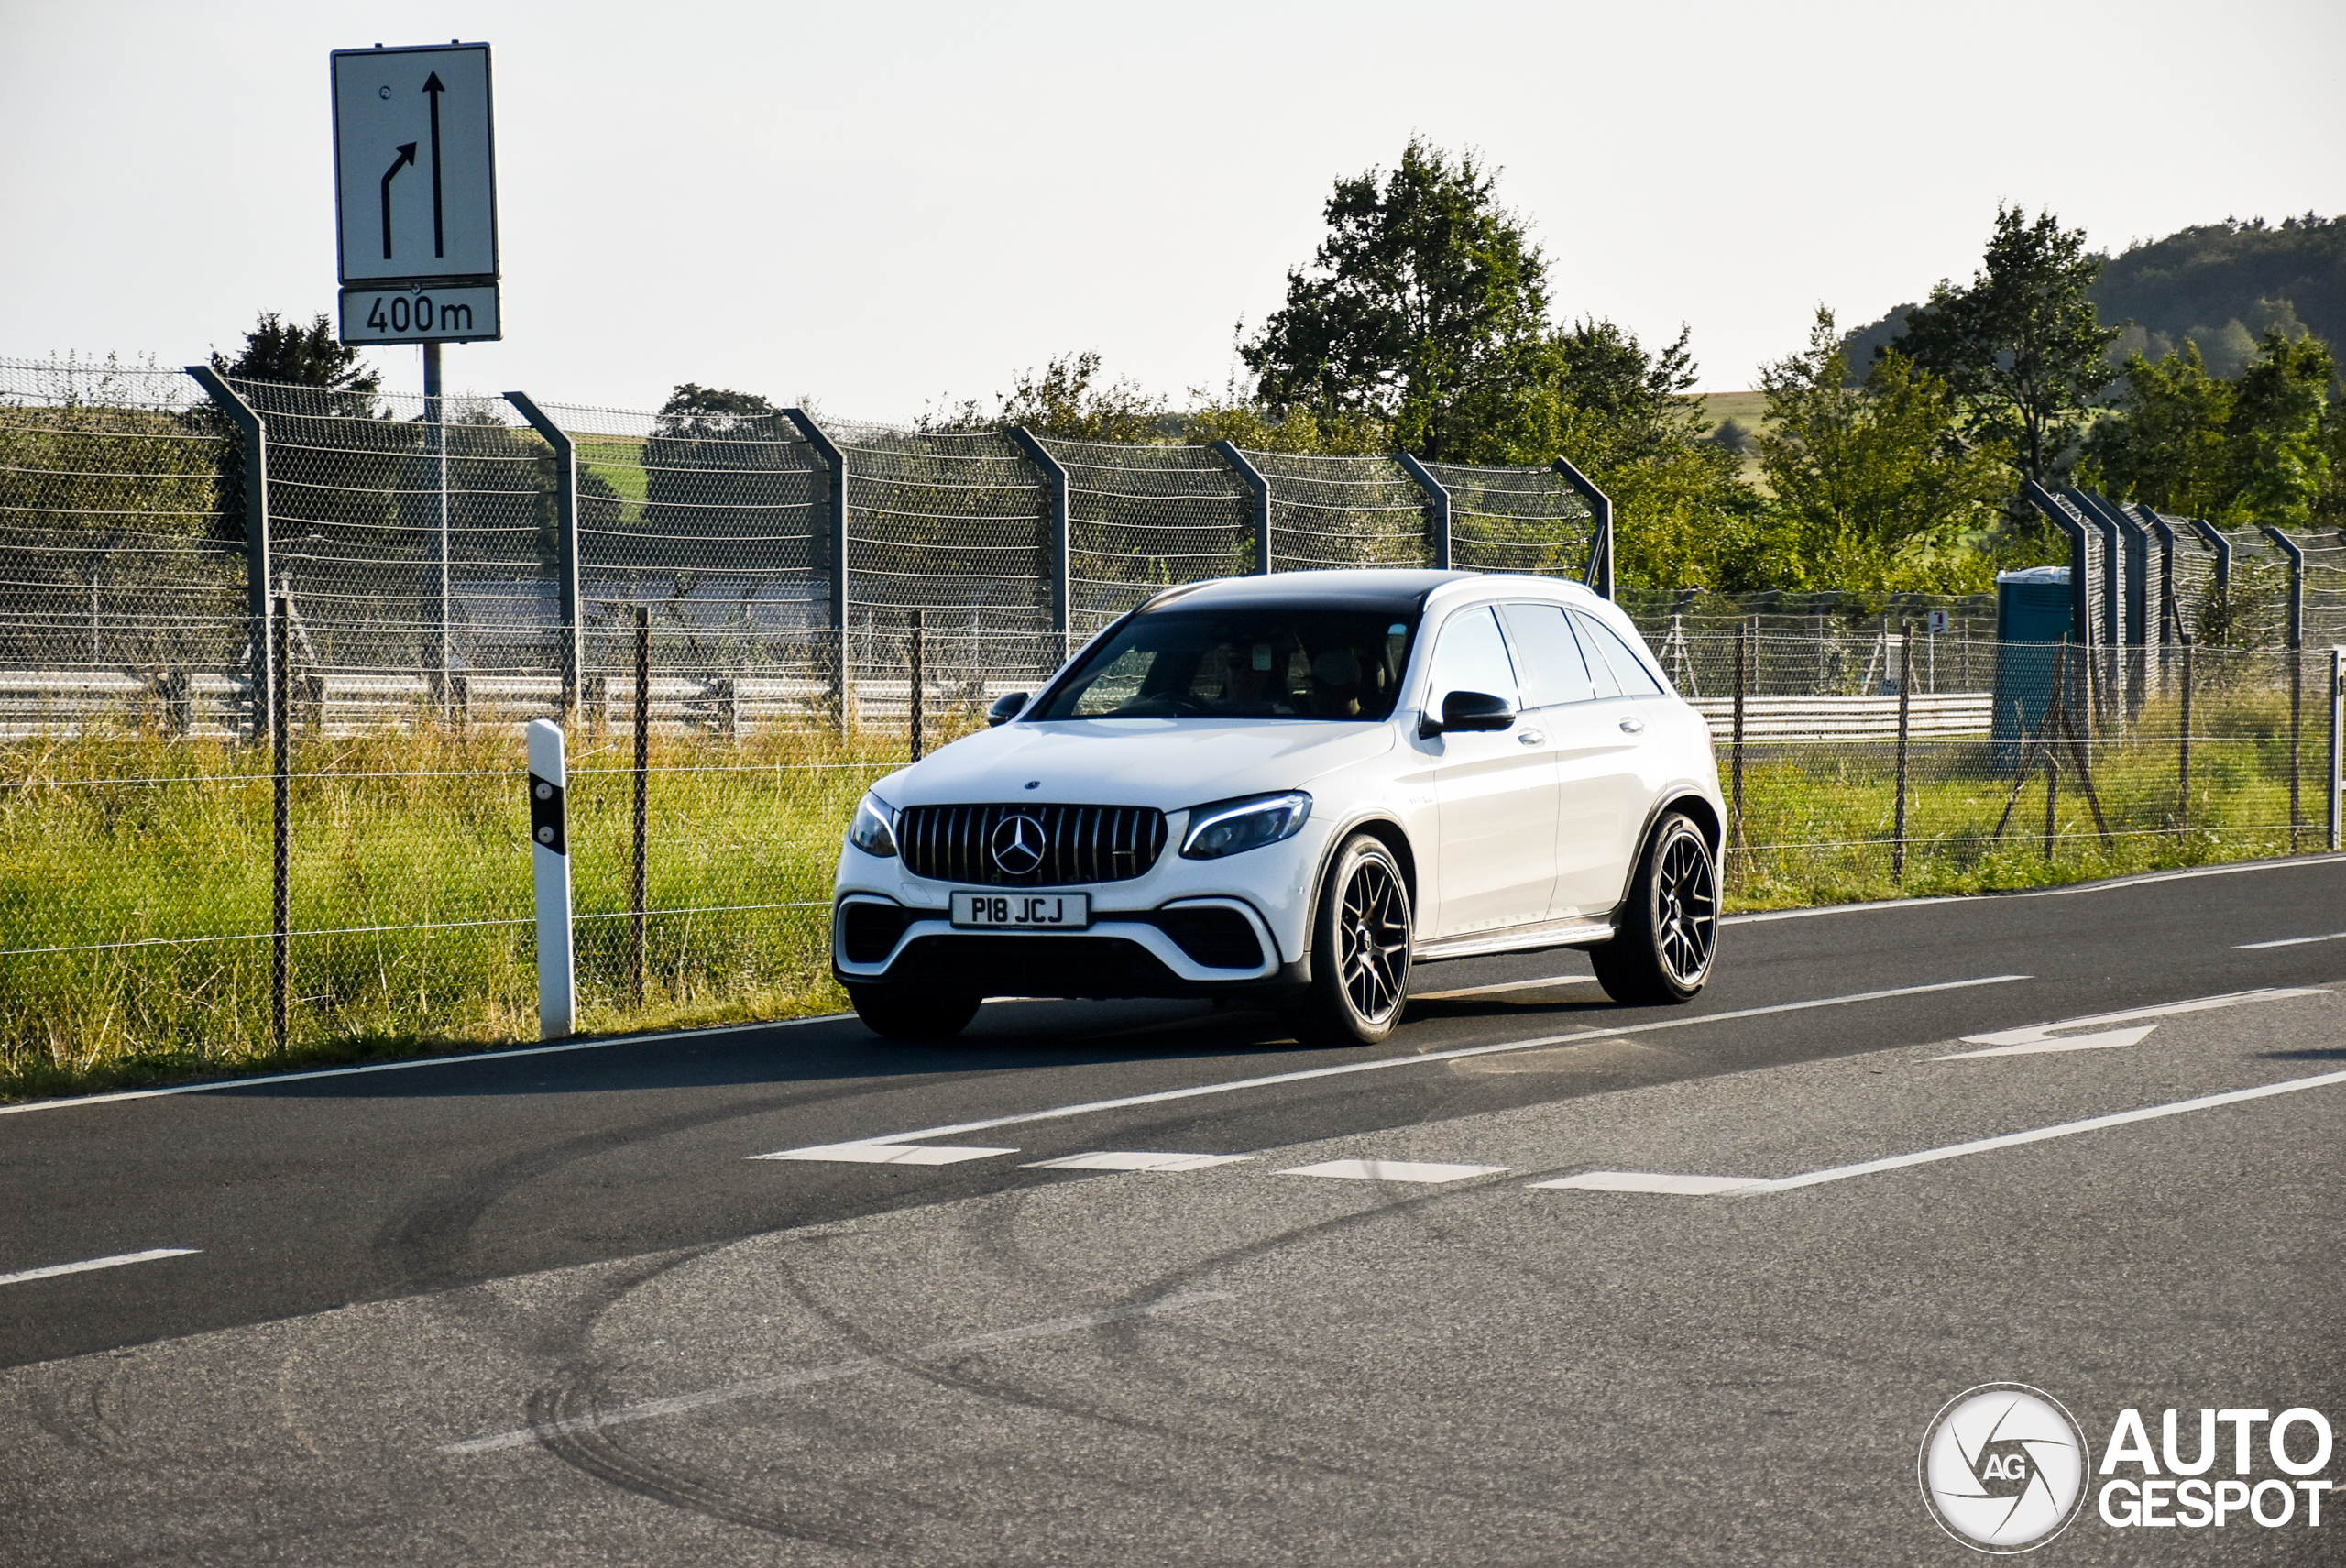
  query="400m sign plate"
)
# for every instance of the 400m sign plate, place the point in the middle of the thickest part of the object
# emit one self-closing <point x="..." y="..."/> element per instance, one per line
<point x="418" y="316"/>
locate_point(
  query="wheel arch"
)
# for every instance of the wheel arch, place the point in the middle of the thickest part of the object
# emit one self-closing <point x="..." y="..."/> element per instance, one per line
<point x="1387" y="831"/>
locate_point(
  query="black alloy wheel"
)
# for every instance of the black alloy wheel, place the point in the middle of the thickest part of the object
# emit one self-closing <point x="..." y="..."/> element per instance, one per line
<point x="1666" y="934"/>
<point x="1360" y="971"/>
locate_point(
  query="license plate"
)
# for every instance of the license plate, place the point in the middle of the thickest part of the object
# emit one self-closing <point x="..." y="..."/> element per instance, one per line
<point x="1023" y="911"/>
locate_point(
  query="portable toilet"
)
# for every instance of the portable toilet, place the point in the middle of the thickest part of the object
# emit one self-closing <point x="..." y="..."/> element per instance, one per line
<point x="2035" y="612"/>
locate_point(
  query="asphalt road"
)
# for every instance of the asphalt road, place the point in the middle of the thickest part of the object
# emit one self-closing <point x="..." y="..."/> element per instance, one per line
<point x="657" y="1344"/>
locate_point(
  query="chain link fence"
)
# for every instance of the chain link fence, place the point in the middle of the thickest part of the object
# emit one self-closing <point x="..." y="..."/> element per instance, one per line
<point x="752" y="595"/>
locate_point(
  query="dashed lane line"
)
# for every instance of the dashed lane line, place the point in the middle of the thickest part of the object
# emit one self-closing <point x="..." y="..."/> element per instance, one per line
<point x="1756" y="1187"/>
<point x="1130" y="1160"/>
<point x="1426" y="1172"/>
<point x="53" y="1270"/>
<point x="891" y="1154"/>
<point x="1384" y="1063"/>
<point x="2287" y="942"/>
<point x="676" y="1404"/>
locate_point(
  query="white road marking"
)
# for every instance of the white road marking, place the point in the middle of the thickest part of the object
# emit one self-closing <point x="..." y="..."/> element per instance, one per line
<point x="466" y="1060"/>
<point x="2108" y="1039"/>
<point x="942" y="1350"/>
<point x="889" y="1154"/>
<point x="1551" y="982"/>
<point x="54" y="1269"/>
<point x="2289" y="942"/>
<point x="2038" y="1037"/>
<point x="1731" y="1187"/>
<point x="1393" y="1170"/>
<point x="1114" y="1160"/>
<point x="1383" y="1063"/>
<point x="2111" y="884"/>
<point x="1643" y="1181"/>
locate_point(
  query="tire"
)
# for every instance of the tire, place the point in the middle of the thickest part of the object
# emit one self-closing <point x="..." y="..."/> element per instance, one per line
<point x="902" y="1015"/>
<point x="1360" y="944"/>
<point x="1667" y="937"/>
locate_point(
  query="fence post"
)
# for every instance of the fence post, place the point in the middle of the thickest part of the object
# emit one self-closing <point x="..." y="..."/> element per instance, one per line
<point x="920" y="681"/>
<point x="1735" y="748"/>
<point x="643" y="790"/>
<point x="842" y="674"/>
<point x="1437" y="508"/>
<point x="2052" y="800"/>
<point x="2183" y="751"/>
<point x="1252" y="479"/>
<point x="1062" y="564"/>
<point x="550" y="881"/>
<point x="2295" y="632"/>
<point x="279" y="633"/>
<point x="2337" y="736"/>
<point x="1905" y="699"/>
<point x="256" y="545"/>
<point x="569" y="648"/>
<point x="1600" y="545"/>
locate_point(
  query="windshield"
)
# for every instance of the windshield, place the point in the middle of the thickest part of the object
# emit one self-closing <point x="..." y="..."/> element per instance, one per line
<point x="1266" y="660"/>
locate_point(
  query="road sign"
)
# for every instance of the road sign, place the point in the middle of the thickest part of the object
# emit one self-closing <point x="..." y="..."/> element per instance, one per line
<point x="458" y="314"/>
<point x="415" y="165"/>
<point x="1938" y="622"/>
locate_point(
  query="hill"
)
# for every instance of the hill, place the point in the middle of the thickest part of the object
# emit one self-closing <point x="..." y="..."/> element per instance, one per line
<point x="2219" y="285"/>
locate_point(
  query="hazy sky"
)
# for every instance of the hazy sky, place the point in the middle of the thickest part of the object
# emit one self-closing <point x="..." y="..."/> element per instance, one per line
<point x="878" y="207"/>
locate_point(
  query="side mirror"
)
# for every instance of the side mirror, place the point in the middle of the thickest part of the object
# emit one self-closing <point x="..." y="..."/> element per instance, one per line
<point x="1470" y="710"/>
<point x="1006" y="708"/>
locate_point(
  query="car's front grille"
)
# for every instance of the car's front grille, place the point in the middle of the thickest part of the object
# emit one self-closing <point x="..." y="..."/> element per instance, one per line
<point x="1067" y="844"/>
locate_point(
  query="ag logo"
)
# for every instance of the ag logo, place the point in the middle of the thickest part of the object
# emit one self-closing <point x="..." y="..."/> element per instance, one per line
<point x="2003" y="1467"/>
<point x="1018" y="844"/>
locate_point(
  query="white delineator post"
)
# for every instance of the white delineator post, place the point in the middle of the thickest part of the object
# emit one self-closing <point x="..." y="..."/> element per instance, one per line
<point x="550" y="855"/>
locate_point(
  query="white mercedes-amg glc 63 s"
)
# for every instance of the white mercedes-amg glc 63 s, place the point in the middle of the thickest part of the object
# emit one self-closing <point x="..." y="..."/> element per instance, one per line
<point x="1286" y="788"/>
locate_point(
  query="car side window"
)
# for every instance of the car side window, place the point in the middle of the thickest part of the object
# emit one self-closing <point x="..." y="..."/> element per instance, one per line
<point x="1548" y="657"/>
<point x="1471" y="657"/>
<point x="1635" y="678"/>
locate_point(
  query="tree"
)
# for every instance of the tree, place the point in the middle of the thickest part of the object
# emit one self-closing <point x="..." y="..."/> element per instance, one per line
<point x="2280" y="464"/>
<point x="2165" y="444"/>
<point x="279" y="350"/>
<point x="1881" y="487"/>
<point x="2258" y="450"/>
<point x="1424" y="297"/>
<point x="2021" y="346"/>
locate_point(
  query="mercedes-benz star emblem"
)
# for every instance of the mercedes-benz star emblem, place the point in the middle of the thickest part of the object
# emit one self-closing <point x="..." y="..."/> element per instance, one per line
<point x="1018" y="844"/>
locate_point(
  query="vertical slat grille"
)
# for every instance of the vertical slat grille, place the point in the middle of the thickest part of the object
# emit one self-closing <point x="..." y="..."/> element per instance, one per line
<point x="1080" y="843"/>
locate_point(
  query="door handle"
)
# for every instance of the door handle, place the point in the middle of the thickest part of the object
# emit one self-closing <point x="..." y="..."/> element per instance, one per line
<point x="1532" y="737"/>
<point x="1632" y="726"/>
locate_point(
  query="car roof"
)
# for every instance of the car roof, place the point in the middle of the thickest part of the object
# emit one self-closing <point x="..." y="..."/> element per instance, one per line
<point x="1382" y="588"/>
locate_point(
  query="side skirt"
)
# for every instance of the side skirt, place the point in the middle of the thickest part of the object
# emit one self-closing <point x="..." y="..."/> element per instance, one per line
<point x="1573" y="933"/>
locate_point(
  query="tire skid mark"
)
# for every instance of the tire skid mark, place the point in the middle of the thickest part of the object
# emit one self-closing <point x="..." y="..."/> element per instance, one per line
<point x="432" y="1240"/>
<point x="1133" y="1353"/>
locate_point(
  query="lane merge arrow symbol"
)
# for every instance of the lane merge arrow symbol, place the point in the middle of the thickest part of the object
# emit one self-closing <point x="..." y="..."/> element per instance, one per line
<point x="406" y="157"/>
<point x="2039" y="1037"/>
<point x="435" y="86"/>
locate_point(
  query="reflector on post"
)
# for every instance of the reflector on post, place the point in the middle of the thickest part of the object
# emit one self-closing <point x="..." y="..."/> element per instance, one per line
<point x="550" y="855"/>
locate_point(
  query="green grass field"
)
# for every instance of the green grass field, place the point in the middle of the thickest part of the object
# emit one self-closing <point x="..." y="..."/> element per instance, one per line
<point x="135" y="871"/>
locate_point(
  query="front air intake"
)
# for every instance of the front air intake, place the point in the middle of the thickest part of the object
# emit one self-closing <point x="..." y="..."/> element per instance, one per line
<point x="1030" y="846"/>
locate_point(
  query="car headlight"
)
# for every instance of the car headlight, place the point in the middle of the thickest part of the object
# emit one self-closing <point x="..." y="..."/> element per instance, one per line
<point x="873" y="832"/>
<point x="1230" y="827"/>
